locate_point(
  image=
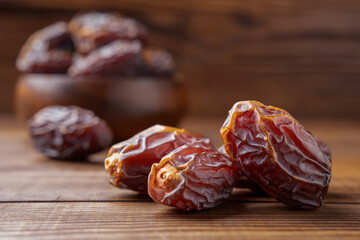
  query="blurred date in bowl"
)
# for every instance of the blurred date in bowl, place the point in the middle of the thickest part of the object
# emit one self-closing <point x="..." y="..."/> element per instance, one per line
<point x="101" y="62"/>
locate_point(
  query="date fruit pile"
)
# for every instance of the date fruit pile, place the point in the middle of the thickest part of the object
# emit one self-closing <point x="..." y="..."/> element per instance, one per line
<point x="94" y="44"/>
<point x="265" y="149"/>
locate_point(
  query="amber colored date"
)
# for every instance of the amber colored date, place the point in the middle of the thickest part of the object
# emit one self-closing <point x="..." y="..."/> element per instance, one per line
<point x="71" y="133"/>
<point x="275" y="152"/>
<point x="129" y="162"/>
<point x="241" y="181"/>
<point x="94" y="29"/>
<point x="48" y="50"/>
<point x="192" y="177"/>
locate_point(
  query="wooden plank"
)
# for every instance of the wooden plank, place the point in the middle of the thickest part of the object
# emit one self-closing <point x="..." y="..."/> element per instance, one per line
<point x="128" y="220"/>
<point x="47" y="184"/>
<point x="47" y="199"/>
<point x="26" y="175"/>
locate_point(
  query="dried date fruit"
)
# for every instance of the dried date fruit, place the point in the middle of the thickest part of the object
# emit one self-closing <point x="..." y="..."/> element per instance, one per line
<point x="279" y="153"/>
<point x="192" y="177"/>
<point x="48" y="50"/>
<point x="156" y="62"/>
<point x="241" y="181"/>
<point x="119" y="58"/>
<point x="324" y="148"/>
<point x="93" y="30"/>
<point x="129" y="162"/>
<point x="275" y="152"/>
<point x="68" y="132"/>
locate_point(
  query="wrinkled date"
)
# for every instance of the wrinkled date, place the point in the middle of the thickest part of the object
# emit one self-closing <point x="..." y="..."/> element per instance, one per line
<point x="129" y="162"/>
<point x="123" y="58"/>
<point x="241" y="181"/>
<point x="192" y="177"/>
<point x="156" y="62"/>
<point x="324" y="148"/>
<point x="68" y="132"/>
<point x="107" y="44"/>
<point x="275" y="152"/>
<point x="116" y="58"/>
<point x="48" y="50"/>
<point x="93" y="30"/>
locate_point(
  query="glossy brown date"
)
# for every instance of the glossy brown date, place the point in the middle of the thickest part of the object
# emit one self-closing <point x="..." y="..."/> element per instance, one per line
<point x="129" y="162"/>
<point x="117" y="58"/>
<point x="71" y="132"/>
<point x="275" y="152"/>
<point x="94" y="29"/>
<point x="192" y="177"/>
<point x="123" y="58"/>
<point x="324" y="148"/>
<point x="241" y="181"/>
<point x="48" y="50"/>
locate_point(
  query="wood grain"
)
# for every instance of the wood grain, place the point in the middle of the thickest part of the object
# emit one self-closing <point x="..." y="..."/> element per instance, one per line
<point x="26" y="175"/>
<point x="302" y="56"/>
<point x="48" y="199"/>
<point x="148" y="220"/>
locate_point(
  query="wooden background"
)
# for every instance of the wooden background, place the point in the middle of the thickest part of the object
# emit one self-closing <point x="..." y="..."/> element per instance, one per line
<point x="300" y="55"/>
<point x="48" y="199"/>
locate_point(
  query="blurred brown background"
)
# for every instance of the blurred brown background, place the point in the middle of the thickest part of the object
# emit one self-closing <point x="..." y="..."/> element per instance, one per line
<point x="303" y="56"/>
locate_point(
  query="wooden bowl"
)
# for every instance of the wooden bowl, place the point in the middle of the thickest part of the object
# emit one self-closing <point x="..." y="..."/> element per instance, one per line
<point x="129" y="105"/>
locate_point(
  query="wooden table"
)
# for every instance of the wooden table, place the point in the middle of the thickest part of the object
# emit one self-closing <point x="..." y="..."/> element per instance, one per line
<point x="48" y="199"/>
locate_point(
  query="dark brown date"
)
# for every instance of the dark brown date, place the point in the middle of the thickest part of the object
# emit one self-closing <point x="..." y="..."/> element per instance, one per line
<point x="324" y="148"/>
<point x="93" y="30"/>
<point x="129" y="162"/>
<point x="72" y="132"/>
<point x="48" y="50"/>
<point x="275" y="152"/>
<point x="192" y="177"/>
<point x="119" y="58"/>
<point x="156" y="62"/>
